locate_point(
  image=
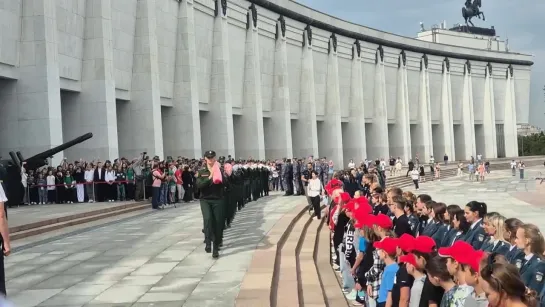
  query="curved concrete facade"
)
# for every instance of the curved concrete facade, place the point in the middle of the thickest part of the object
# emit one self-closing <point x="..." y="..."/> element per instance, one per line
<point x="258" y="78"/>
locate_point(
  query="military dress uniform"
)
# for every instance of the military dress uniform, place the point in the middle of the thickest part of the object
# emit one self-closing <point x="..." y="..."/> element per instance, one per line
<point x="212" y="207"/>
<point x="247" y="184"/>
<point x="238" y="185"/>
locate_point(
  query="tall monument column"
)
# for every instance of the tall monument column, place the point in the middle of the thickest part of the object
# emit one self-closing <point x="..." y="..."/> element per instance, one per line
<point x="356" y="146"/>
<point x="447" y="123"/>
<point x="97" y="94"/>
<point x="331" y="131"/>
<point x="143" y="124"/>
<point x="468" y="116"/>
<point x="183" y="118"/>
<point x="510" y="116"/>
<point x="425" y="112"/>
<point x="403" y="120"/>
<point x="379" y="127"/>
<point x="217" y="124"/>
<point x="36" y="115"/>
<point x="489" y="116"/>
<point x="305" y="136"/>
<point x="279" y="140"/>
<point x="250" y="141"/>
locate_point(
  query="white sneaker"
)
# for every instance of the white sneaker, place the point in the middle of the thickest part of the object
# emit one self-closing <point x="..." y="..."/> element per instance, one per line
<point x="335" y="266"/>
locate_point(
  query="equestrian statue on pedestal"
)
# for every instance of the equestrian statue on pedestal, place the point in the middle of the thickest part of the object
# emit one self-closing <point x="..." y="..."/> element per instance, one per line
<point x="471" y="10"/>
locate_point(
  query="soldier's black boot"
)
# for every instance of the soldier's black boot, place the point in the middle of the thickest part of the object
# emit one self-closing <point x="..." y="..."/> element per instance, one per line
<point x="215" y="252"/>
<point x="208" y="247"/>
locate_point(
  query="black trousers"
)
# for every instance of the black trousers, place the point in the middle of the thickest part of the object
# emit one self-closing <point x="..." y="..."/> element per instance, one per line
<point x="416" y="184"/>
<point x="2" y="274"/>
<point x="213" y="219"/>
<point x="315" y="201"/>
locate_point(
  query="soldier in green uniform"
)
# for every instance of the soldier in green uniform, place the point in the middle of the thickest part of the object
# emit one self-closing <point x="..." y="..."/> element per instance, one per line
<point x="212" y="205"/>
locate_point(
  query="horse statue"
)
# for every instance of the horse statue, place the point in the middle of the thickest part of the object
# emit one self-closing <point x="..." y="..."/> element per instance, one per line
<point x="471" y="10"/>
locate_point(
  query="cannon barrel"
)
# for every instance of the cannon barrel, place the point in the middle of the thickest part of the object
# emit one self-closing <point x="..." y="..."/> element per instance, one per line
<point x="15" y="159"/>
<point x="40" y="159"/>
<point x="20" y="156"/>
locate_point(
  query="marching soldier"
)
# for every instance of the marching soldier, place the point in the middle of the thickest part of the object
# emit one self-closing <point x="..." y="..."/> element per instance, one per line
<point x="266" y="172"/>
<point x="238" y="182"/>
<point x="230" y="196"/>
<point x="261" y="173"/>
<point x="254" y="181"/>
<point x="247" y="183"/>
<point x="212" y="204"/>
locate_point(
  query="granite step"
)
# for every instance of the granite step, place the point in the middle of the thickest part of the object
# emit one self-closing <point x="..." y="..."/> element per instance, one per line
<point x="289" y="291"/>
<point x="260" y="284"/>
<point x="329" y="283"/>
<point x="310" y="290"/>
<point x="69" y="217"/>
<point x="76" y="219"/>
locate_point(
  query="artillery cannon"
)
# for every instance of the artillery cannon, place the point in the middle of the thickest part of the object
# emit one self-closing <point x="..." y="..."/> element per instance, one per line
<point x="10" y="170"/>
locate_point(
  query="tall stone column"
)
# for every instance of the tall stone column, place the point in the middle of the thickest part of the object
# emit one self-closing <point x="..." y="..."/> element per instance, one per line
<point x="250" y="141"/>
<point x="356" y="146"/>
<point x="379" y="127"/>
<point x="332" y="131"/>
<point x="306" y="134"/>
<point x="142" y="128"/>
<point x="425" y="111"/>
<point x="403" y="120"/>
<point x="36" y="114"/>
<point x="489" y="116"/>
<point x="217" y="127"/>
<point x="279" y="140"/>
<point x="468" y="117"/>
<point x="447" y="122"/>
<point x="95" y="106"/>
<point x="510" y="117"/>
<point x="183" y="118"/>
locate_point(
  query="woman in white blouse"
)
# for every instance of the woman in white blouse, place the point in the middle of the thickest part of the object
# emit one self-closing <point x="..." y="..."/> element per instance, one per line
<point x="109" y="177"/>
<point x="314" y="188"/>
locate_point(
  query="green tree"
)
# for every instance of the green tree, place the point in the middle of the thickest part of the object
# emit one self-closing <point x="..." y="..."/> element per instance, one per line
<point x="532" y="145"/>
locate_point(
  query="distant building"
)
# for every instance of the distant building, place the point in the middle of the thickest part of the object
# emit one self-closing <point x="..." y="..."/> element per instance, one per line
<point x="527" y="129"/>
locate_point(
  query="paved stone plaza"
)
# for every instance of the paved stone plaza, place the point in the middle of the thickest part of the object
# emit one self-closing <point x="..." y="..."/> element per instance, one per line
<point x="154" y="260"/>
<point x="512" y="197"/>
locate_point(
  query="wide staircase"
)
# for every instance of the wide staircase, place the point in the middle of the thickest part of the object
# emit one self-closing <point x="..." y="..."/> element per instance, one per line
<point x="291" y="267"/>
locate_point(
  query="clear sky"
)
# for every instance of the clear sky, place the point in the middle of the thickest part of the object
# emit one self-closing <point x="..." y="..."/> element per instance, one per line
<point x="522" y="21"/>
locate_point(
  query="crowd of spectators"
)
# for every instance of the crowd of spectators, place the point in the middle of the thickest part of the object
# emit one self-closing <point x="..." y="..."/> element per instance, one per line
<point x="110" y="181"/>
<point x="394" y="248"/>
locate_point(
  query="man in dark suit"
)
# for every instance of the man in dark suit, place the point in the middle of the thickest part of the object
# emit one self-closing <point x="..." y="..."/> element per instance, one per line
<point x="100" y="172"/>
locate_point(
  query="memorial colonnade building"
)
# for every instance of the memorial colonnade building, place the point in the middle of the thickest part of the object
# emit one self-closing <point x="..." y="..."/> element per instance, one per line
<point x="266" y="79"/>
